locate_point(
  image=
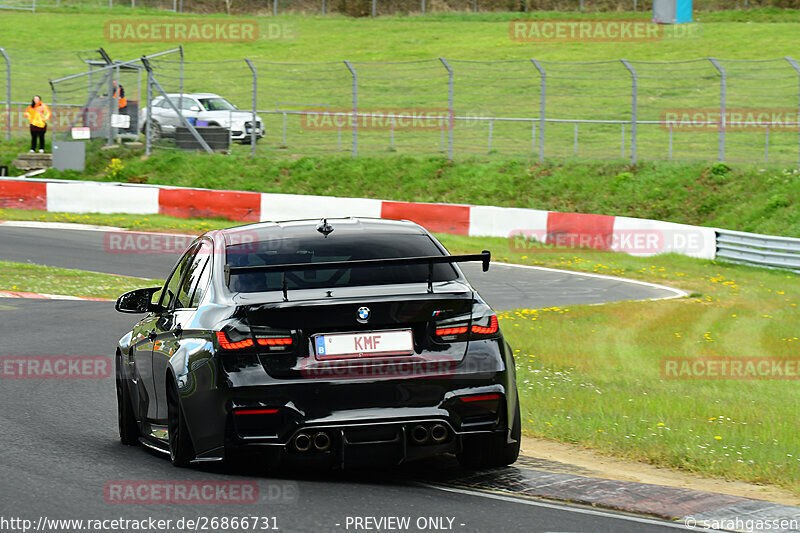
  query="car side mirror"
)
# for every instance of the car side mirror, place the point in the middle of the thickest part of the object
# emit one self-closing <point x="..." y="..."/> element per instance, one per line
<point x="194" y="108"/>
<point x="138" y="301"/>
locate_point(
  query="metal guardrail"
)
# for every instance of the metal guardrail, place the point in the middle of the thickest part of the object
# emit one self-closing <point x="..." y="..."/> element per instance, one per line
<point x="760" y="250"/>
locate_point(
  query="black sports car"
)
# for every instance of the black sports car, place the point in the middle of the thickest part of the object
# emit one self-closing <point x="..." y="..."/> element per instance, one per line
<point x="351" y="342"/>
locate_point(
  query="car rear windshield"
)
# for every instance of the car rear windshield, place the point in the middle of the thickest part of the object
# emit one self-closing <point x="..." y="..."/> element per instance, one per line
<point x="334" y="248"/>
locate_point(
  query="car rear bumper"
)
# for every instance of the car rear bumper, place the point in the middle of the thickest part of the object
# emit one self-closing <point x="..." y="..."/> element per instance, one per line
<point x="360" y="423"/>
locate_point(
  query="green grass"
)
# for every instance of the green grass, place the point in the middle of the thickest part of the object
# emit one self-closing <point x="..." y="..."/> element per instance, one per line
<point x="591" y="375"/>
<point x="599" y="92"/>
<point x="26" y="277"/>
<point x="767" y="32"/>
<point x="131" y="222"/>
<point x="762" y="199"/>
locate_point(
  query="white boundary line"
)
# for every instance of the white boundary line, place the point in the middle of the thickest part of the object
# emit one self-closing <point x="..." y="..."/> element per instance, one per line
<point x="77" y="226"/>
<point x="35" y="224"/>
<point x="560" y="507"/>
<point x="677" y="293"/>
<point x="26" y="295"/>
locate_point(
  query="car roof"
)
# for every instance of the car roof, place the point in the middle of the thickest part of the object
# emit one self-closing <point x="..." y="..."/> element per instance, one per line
<point x="298" y="228"/>
<point x="194" y="95"/>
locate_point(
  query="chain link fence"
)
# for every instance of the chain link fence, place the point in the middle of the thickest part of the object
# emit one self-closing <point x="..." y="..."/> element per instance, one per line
<point x="703" y="109"/>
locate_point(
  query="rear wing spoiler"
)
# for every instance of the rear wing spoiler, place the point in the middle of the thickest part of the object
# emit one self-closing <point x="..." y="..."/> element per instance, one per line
<point x="484" y="257"/>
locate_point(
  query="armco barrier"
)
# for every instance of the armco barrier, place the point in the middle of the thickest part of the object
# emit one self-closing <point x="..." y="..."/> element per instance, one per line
<point x="762" y="250"/>
<point x="632" y="235"/>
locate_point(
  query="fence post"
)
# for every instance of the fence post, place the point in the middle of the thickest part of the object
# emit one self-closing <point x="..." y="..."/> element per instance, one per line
<point x="423" y="7"/>
<point x="274" y="8"/>
<point x="324" y="7"/>
<point x="355" y="107"/>
<point x="542" y="96"/>
<point x="374" y="8"/>
<point x="723" y="87"/>
<point x="180" y="50"/>
<point x="8" y="93"/>
<point x="670" y="141"/>
<point x="149" y="102"/>
<point x="634" y="106"/>
<point x="111" y="105"/>
<point x="450" y="109"/>
<point x="796" y="67"/>
<point x="575" y="149"/>
<point x="254" y="121"/>
<point x="55" y="121"/>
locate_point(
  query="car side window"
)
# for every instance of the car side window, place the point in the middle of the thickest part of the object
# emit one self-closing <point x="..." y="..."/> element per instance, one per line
<point x="173" y="284"/>
<point x="196" y="280"/>
<point x="188" y="103"/>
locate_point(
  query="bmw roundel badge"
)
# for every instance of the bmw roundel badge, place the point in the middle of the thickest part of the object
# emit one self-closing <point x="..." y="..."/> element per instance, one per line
<point x="363" y="314"/>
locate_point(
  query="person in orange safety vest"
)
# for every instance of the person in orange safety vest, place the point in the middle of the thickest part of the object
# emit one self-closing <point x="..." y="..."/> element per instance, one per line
<point x="38" y="114"/>
<point x="119" y="94"/>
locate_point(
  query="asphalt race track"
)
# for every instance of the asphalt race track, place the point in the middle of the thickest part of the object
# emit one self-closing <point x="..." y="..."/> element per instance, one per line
<point x="504" y="287"/>
<point x="59" y="448"/>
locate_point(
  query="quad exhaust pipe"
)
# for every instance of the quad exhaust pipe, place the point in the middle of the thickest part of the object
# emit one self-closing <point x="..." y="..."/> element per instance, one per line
<point x="420" y="434"/>
<point x="439" y="433"/>
<point x="304" y="442"/>
<point x="434" y="433"/>
<point x="322" y="442"/>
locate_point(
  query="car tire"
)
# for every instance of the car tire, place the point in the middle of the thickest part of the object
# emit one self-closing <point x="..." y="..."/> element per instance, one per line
<point x="180" y="445"/>
<point x="487" y="451"/>
<point x="126" y="418"/>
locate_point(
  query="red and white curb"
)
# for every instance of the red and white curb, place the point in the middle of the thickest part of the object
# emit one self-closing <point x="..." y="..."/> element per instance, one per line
<point x="44" y="296"/>
<point x="633" y="235"/>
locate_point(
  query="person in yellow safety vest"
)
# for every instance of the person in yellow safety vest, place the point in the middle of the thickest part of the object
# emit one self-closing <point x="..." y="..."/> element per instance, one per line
<point x="38" y="114"/>
<point x="119" y="95"/>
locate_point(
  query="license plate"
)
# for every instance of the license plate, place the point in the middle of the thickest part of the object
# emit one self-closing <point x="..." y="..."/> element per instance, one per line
<point x="366" y="344"/>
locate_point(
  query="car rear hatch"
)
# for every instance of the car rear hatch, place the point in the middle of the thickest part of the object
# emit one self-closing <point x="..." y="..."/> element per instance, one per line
<point x="352" y="337"/>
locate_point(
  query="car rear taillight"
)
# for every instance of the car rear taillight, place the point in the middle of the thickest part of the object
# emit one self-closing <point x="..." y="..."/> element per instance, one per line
<point x="480" y="398"/>
<point x="256" y="412"/>
<point x="226" y="344"/>
<point x="442" y="332"/>
<point x="480" y="328"/>
<point x="274" y="341"/>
